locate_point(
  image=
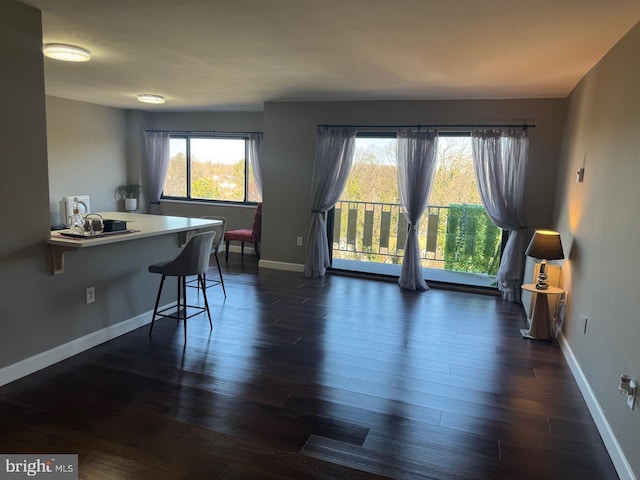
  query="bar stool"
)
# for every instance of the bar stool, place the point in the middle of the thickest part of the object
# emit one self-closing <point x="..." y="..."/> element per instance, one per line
<point x="193" y="259"/>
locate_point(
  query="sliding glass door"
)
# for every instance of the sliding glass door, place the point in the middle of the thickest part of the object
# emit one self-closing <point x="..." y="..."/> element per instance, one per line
<point x="458" y="242"/>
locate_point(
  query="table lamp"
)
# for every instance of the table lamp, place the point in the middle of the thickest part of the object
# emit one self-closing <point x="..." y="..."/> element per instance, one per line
<point x="545" y="245"/>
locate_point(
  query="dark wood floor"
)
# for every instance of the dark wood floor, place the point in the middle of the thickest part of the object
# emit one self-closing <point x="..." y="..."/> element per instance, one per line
<point x="334" y="378"/>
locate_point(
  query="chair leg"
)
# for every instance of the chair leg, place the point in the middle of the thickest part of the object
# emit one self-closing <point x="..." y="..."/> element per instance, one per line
<point x="256" y="246"/>
<point x="220" y="273"/>
<point x="178" y="303"/>
<point x="226" y="251"/>
<point x="206" y="302"/>
<point x="183" y="280"/>
<point x="155" y="308"/>
<point x="242" y="249"/>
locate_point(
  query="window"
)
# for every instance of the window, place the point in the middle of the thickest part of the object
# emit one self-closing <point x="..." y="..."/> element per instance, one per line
<point x="210" y="168"/>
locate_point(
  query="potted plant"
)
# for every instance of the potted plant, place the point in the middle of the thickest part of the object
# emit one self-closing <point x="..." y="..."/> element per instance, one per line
<point x="129" y="192"/>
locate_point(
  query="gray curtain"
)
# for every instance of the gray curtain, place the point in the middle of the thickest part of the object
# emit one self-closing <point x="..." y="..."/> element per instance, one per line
<point x="417" y="159"/>
<point x="500" y="161"/>
<point x="334" y="157"/>
<point x="157" y="162"/>
<point x="255" y="158"/>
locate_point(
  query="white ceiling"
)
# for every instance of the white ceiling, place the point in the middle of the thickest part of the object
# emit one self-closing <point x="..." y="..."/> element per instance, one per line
<point x="237" y="54"/>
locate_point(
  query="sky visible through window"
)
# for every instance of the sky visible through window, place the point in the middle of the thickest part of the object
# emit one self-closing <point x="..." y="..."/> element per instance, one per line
<point x="212" y="150"/>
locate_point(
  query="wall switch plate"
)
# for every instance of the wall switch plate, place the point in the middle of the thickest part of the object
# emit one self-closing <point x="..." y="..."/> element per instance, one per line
<point x="299" y="241"/>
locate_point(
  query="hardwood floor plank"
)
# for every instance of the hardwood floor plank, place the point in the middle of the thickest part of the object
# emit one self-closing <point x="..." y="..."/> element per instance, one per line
<point x="558" y="463"/>
<point x="239" y="471"/>
<point x="119" y="438"/>
<point x="268" y="459"/>
<point x="371" y="461"/>
<point x="495" y="429"/>
<point x="440" y="449"/>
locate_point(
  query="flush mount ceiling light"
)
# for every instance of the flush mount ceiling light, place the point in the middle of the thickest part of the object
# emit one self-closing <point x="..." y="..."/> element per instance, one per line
<point x="150" y="98"/>
<point x="67" y="53"/>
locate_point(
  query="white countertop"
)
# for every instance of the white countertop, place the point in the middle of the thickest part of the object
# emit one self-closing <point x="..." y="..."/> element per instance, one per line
<point x="139" y="225"/>
<point x="144" y="225"/>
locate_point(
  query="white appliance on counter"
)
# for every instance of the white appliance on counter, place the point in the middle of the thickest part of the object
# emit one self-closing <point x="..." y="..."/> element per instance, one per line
<point x="66" y="207"/>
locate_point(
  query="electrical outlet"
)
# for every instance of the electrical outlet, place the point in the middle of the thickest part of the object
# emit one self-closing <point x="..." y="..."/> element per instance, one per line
<point x="299" y="241"/>
<point x="90" y="295"/>
<point x="631" y="399"/>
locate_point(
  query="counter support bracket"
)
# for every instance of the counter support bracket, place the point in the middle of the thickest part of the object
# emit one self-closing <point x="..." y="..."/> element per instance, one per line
<point x="57" y="257"/>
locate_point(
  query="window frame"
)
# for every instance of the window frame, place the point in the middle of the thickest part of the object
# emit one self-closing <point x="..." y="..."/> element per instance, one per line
<point x="225" y="136"/>
<point x="388" y="134"/>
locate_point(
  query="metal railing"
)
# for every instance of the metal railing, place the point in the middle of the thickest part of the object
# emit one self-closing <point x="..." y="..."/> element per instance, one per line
<point x="376" y="232"/>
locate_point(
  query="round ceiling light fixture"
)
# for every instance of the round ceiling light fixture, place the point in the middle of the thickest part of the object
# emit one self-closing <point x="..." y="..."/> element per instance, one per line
<point x="151" y="98"/>
<point x="66" y="53"/>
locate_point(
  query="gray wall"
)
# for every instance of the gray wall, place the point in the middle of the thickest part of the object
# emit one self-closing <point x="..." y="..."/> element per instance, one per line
<point x="40" y="311"/>
<point x="87" y="153"/>
<point x="23" y="179"/>
<point x="599" y="227"/>
<point x="289" y="149"/>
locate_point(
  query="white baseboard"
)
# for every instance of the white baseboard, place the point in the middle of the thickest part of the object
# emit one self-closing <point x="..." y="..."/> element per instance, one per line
<point x="61" y="352"/>
<point x="248" y="249"/>
<point x="291" y="267"/>
<point x="608" y="437"/>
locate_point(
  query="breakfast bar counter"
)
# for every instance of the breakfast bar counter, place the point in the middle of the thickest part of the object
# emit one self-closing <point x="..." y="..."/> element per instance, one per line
<point x="139" y="225"/>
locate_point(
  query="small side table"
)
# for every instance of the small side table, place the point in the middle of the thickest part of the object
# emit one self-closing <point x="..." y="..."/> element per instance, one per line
<point x="541" y="328"/>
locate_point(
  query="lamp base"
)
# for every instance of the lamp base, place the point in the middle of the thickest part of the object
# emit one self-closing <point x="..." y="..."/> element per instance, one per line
<point x="543" y="280"/>
<point x="526" y="333"/>
<point x="542" y="284"/>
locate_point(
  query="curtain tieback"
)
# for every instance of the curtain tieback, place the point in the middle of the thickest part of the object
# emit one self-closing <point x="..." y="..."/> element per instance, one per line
<point x="317" y="211"/>
<point x="412" y="226"/>
<point x="154" y="203"/>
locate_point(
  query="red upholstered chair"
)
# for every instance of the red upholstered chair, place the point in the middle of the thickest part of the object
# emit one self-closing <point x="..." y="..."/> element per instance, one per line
<point x="251" y="235"/>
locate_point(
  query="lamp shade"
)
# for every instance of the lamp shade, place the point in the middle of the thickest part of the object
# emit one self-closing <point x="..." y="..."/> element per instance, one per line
<point x="545" y="245"/>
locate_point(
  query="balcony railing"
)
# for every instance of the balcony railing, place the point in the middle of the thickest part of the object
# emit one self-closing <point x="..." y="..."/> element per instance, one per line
<point x="454" y="237"/>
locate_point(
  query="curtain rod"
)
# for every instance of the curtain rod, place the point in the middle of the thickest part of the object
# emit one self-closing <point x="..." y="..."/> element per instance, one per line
<point x="201" y="132"/>
<point x="524" y="126"/>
